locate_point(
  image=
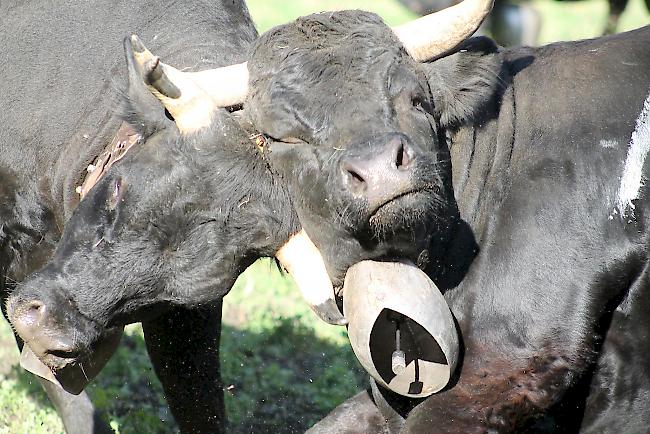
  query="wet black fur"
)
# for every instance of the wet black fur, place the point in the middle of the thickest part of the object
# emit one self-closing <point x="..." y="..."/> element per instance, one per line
<point x="61" y="89"/>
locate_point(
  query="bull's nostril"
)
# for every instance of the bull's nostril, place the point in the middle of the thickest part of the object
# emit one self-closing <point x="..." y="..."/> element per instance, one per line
<point x="36" y="305"/>
<point x="27" y="318"/>
<point x="33" y="313"/>
<point x="403" y="158"/>
<point x="355" y="177"/>
<point x="355" y="181"/>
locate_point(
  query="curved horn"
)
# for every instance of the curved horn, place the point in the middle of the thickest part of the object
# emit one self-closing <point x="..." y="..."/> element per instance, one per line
<point x="191" y="97"/>
<point x="435" y="34"/>
<point x="185" y="100"/>
<point x="302" y="259"/>
<point x="227" y="86"/>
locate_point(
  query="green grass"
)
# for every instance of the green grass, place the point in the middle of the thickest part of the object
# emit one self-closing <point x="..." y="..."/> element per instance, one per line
<point x="283" y="368"/>
<point x="569" y="20"/>
<point x="267" y="14"/>
<point x="561" y="20"/>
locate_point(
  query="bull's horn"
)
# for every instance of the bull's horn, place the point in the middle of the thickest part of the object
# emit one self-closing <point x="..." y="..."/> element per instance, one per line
<point x="181" y="93"/>
<point x="183" y="98"/>
<point x="435" y="34"/>
<point x="227" y="86"/>
<point x="302" y="259"/>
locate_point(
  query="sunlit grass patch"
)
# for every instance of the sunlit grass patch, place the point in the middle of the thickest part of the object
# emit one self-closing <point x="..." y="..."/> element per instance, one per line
<point x="267" y="14"/>
<point x="570" y="20"/>
<point x="283" y="368"/>
<point x="23" y="406"/>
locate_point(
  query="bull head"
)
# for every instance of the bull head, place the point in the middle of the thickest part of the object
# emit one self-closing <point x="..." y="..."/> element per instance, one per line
<point x="192" y="110"/>
<point x="189" y="96"/>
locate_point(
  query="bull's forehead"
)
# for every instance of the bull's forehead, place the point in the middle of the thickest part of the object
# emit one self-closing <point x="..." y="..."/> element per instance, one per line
<point x="324" y="76"/>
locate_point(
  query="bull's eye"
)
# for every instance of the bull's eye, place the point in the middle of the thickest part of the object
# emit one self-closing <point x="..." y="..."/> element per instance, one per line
<point x="416" y="101"/>
<point x="292" y="141"/>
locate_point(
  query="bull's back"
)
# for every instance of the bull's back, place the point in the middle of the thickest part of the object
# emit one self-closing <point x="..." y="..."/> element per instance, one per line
<point x="63" y="65"/>
<point x="578" y="105"/>
<point x="584" y="90"/>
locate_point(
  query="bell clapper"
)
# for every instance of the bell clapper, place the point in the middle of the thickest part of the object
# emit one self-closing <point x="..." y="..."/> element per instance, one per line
<point x="398" y="358"/>
<point x="416" y="385"/>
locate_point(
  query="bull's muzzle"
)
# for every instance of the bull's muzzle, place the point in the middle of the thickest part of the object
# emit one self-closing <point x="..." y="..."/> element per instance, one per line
<point x="74" y="376"/>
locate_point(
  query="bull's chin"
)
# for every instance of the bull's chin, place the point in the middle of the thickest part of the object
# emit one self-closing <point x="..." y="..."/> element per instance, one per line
<point x="72" y="371"/>
<point x="404" y="216"/>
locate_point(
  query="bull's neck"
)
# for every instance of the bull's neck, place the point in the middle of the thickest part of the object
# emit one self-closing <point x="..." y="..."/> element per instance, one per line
<point x="37" y="195"/>
<point x="259" y="211"/>
<point x="480" y="156"/>
<point x="480" y="159"/>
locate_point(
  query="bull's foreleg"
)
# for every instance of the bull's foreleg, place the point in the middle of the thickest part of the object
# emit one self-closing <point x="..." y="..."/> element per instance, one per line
<point x="620" y="386"/>
<point x="184" y="348"/>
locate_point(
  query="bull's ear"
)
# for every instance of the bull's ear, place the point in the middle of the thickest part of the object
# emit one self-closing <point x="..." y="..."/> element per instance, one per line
<point x="465" y="82"/>
<point x="140" y="108"/>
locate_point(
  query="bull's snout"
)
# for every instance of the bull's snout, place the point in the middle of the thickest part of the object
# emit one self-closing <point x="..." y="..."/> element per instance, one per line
<point x="379" y="173"/>
<point x="31" y="323"/>
<point x="56" y="345"/>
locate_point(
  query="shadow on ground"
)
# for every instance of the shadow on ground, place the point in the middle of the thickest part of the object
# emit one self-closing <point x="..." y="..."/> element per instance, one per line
<point x="279" y="380"/>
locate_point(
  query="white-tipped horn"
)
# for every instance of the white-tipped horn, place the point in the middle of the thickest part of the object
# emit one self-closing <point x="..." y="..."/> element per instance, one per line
<point x="185" y="100"/>
<point x="302" y="259"/>
<point x="435" y="34"/>
<point x="191" y="97"/>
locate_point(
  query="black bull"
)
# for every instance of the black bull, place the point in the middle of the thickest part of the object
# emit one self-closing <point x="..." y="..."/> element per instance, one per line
<point x="62" y="62"/>
<point x="543" y="265"/>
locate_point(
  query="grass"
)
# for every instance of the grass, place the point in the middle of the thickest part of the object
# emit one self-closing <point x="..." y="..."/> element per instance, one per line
<point x="284" y="369"/>
<point x="561" y="20"/>
<point x="570" y="20"/>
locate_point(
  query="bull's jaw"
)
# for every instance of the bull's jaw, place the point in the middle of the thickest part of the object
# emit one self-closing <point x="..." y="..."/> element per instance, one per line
<point x="74" y="374"/>
<point x="347" y="237"/>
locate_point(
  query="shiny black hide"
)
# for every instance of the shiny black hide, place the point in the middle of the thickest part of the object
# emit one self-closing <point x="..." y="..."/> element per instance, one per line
<point x="63" y="79"/>
<point x="540" y="250"/>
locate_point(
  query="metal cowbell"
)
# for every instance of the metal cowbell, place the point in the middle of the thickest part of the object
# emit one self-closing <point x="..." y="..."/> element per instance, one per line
<point x="400" y="327"/>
